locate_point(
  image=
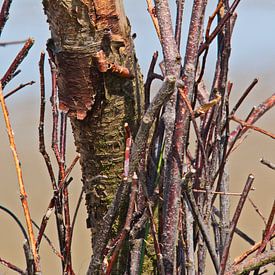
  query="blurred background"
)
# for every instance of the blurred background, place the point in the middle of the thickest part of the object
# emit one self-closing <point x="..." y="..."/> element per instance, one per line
<point x="253" y="56"/>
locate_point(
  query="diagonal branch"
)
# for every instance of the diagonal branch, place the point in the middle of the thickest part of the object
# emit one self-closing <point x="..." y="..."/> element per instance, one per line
<point x="23" y="194"/>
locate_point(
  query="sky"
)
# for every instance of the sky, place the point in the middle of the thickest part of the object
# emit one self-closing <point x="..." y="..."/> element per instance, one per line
<point x="253" y="56"/>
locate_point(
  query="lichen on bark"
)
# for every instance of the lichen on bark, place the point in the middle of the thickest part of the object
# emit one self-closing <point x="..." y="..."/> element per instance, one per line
<point x="98" y="103"/>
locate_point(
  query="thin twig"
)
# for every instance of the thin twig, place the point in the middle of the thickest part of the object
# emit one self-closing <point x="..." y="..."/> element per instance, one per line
<point x="210" y="20"/>
<point x="80" y="198"/>
<point x="8" y="43"/>
<point x="151" y="10"/>
<point x="151" y="75"/>
<point x="23" y="194"/>
<point x="204" y="231"/>
<point x="256" y="114"/>
<point x="18" y="88"/>
<point x="4" y="14"/>
<point x="217" y="192"/>
<point x="268" y="229"/>
<point x="44" y="222"/>
<point x="244" y="95"/>
<point x="180" y="7"/>
<point x="234" y="222"/>
<point x="49" y="242"/>
<point x="257" y="210"/>
<point x="12" y="266"/>
<point x="251" y="250"/>
<point x="10" y="73"/>
<point x="16" y="220"/>
<point x="250" y="126"/>
<point x="268" y="163"/>
<point x="237" y="230"/>
<point x="126" y="228"/>
<point x="219" y="27"/>
<point x="42" y="147"/>
<point x="68" y="171"/>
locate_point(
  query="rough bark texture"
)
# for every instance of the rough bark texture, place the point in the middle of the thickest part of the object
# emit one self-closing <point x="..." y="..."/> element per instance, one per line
<point x="86" y="35"/>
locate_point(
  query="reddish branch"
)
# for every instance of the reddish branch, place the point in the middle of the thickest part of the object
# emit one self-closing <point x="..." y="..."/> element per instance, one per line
<point x="179" y="17"/>
<point x="257" y="113"/>
<point x="11" y="266"/>
<point x="4" y="14"/>
<point x="219" y="27"/>
<point x="179" y="127"/>
<point x="151" y="75"/>
<point x="126" y="228"/>
<point x="269" y="230"/>
<point x="16" y="62"/>
<point x="21" y="86"/>
<point x="250" y="126"/>
<point x="23" y="194"/>
<point x="244" y="95"/>
<point x="42" y="147"/>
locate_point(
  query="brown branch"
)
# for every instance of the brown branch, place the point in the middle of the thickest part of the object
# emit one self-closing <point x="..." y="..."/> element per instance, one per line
<point x="244" y="255"/>
<point x="257" y="113"/>
<point x="209" y="23"/>
<point x="219" y="27"/>
<point x="269" y="229"/>
<point x="234" y="222"/>
<point x="150" y="77"/>
<point x="18" y="88"/>
<point x="4" y="14"/>
<point x="42" y="147"/>
<point x="49" y="242"/>
<point x="180" y="7"/>
<point x="12" y="266"/>
<point x="257" y="210"/>
<point x="23" y="194"/>
<point x="252" y="264"/>
<point x="268" y="163"/>
<point x="10" y="73"/>
<point x="244" y="95"/>
<point x="44" y="222"/>
<point x="250" y="126"/>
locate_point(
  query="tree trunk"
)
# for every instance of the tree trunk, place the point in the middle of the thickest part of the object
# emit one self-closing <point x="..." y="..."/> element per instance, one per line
<point x="100" y="87"/>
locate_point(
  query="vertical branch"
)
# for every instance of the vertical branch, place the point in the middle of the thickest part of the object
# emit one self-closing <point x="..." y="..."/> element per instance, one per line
<point x="58" y="195"/>
<point x="180" y="7"/>
<point x="23" y="194"/>
<point x="42" y="147"/>
<point x="234" y="222"/>
<point x="172" y="189"/>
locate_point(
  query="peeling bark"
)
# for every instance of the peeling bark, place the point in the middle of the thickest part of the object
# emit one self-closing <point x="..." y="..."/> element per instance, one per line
<point x="98" y="102"/>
